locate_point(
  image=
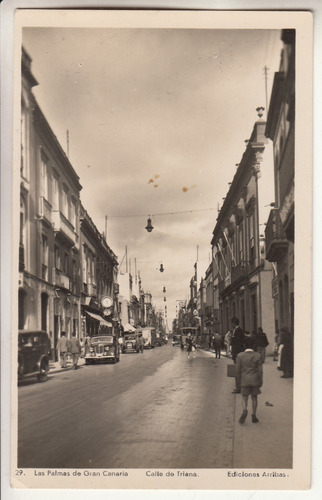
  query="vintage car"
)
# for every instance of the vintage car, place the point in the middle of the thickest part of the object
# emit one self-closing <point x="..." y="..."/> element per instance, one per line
<point x="102" y="348"/>
<point x="33" y="354"/>
<point x="131" y="342"/>
<point x="176" y="340"/>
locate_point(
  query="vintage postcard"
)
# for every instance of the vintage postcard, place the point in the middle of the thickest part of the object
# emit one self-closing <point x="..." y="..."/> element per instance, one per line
<point x="161" y="174"/>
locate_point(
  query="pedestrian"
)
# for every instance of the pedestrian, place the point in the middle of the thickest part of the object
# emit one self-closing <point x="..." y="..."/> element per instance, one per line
<point x="141" y="343"/>
<point x="82" y="347"/>
<point x="227" y="342"/>
<point x="190" y="345"/>
<point x="249" y="376"/>
<point x="217" y="344"/>
<point x="286" y="360"/>
<point x="121" y="343"/>
<point x="237" y="344"/>
<point x="276" y="346"/>
<point x="75" y="350"/>
<point x="63" y="346"/>
<point x="261" y="342"/>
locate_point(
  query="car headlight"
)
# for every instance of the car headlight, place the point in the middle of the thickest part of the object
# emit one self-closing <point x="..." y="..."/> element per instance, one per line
<point x="91" y="349"/>
<point x="106" y="348"/>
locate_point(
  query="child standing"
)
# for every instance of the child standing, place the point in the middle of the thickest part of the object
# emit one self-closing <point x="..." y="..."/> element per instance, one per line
<point x="249" y="377"/>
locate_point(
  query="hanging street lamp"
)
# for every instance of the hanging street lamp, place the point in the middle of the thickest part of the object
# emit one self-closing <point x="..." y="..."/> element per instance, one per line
<point x="161" y="268"/>
<point x="149" y="226"/>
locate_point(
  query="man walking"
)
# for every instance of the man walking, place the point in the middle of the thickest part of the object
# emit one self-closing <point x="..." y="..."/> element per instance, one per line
<point x="237" y="344"/>
<point x="217" y="344"/>
<point x="249" y="377"/>
<point x="261" y="343"/>
<point x="63" y="346"/>
<point x="75" y="349"/>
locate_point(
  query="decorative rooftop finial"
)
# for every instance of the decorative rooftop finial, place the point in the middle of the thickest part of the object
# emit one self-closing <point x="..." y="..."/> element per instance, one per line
<point x="260" y="111"/>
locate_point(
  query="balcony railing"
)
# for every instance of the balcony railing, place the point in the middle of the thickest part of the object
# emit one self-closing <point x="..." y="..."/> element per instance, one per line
<point x="21" y="257"/>
<point x="224" y="283"/>
<point x="63" y="228"/>
<point x="276" y="242"/>
<point x="44" y="209"/>
<point x="239" y="272"/>
<point x="92" y="290"/>
<point x="61" y="279"/>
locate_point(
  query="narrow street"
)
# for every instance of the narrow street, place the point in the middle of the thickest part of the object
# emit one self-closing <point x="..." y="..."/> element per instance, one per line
<point x="157" y="409"/>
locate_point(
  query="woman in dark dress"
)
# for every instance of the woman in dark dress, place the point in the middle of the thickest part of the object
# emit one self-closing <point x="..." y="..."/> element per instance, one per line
<point x="286" y="364"/>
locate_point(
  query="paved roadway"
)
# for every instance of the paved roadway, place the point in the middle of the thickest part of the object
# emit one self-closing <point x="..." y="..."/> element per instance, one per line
<point x="152" y="410"/>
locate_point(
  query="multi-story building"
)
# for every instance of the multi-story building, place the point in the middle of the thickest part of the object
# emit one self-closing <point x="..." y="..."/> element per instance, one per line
<point x="49" y="260"/>
<point x="242" y="277"/>
<point x="99" y="297"/>
<point x="279" y="231"/>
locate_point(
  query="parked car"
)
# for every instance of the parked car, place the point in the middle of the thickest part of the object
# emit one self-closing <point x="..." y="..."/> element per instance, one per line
<point x="102" y="348"/>
<point x="33" y="354"/>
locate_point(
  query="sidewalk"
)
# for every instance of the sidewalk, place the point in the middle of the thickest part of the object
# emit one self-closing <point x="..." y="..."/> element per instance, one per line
<point x="268" y="443"/>
<point x="54" y="366"/>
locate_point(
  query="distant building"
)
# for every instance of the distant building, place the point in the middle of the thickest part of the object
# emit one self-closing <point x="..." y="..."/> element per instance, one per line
<point x="99" y="266"/>
<point x="279" y="231"/>
<point x="242" y="277"/>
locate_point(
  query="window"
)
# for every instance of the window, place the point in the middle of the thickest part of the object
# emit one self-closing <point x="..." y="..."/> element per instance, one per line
<point x="84" y="265"/>
<point x="44" y="177"/>
<point x="55" y="194"/>
<point x="252" y="253"/>
<point x="74" y="275"/>
<point x="57" y="257"/>
<point x="44" y="259"/>
<point x="73" y="213"/>
<point x="240" y="243"/>
<point x="65" y="269"/>
<point x="65" y="203"/>
<point x="24" y="143"/>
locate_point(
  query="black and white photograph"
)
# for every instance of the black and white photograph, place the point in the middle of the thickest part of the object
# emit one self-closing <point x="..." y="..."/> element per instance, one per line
<point x="159" y="336"/>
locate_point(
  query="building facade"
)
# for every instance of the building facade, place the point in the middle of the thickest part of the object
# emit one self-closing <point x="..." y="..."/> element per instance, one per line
<point x="99" y="290"/>
<point x="66" y="268"/>
<point x="49" y="240"/>
<point x="242" y="277"/>
<point x="279" y="231"/>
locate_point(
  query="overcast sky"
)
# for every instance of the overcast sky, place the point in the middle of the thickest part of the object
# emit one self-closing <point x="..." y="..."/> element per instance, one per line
<point x="157" y="120"/>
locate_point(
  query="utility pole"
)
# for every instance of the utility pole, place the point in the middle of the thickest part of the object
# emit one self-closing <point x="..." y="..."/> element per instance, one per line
<point x="67" y="139"/>
<point x="266" y="76"/>
<point x="106" y="228"/>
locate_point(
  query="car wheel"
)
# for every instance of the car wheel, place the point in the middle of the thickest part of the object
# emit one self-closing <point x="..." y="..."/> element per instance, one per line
<point x="42" y="376"/>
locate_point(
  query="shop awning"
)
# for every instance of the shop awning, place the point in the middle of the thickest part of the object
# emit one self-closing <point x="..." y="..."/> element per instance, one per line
<point x="100" y="319"/>
<point x="129" y="328"/>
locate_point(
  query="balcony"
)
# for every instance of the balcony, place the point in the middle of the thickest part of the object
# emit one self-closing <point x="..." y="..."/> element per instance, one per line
<point x="63" y="228"/>
<point x="239" y="272"/>
<point x="225" y="283"/>
<point x="21" y="257"/>
<point x="61" y="279"/>
<point x="276" y="242"/>
<point x="92" y="290"/>
<point x="45" y="210"/>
